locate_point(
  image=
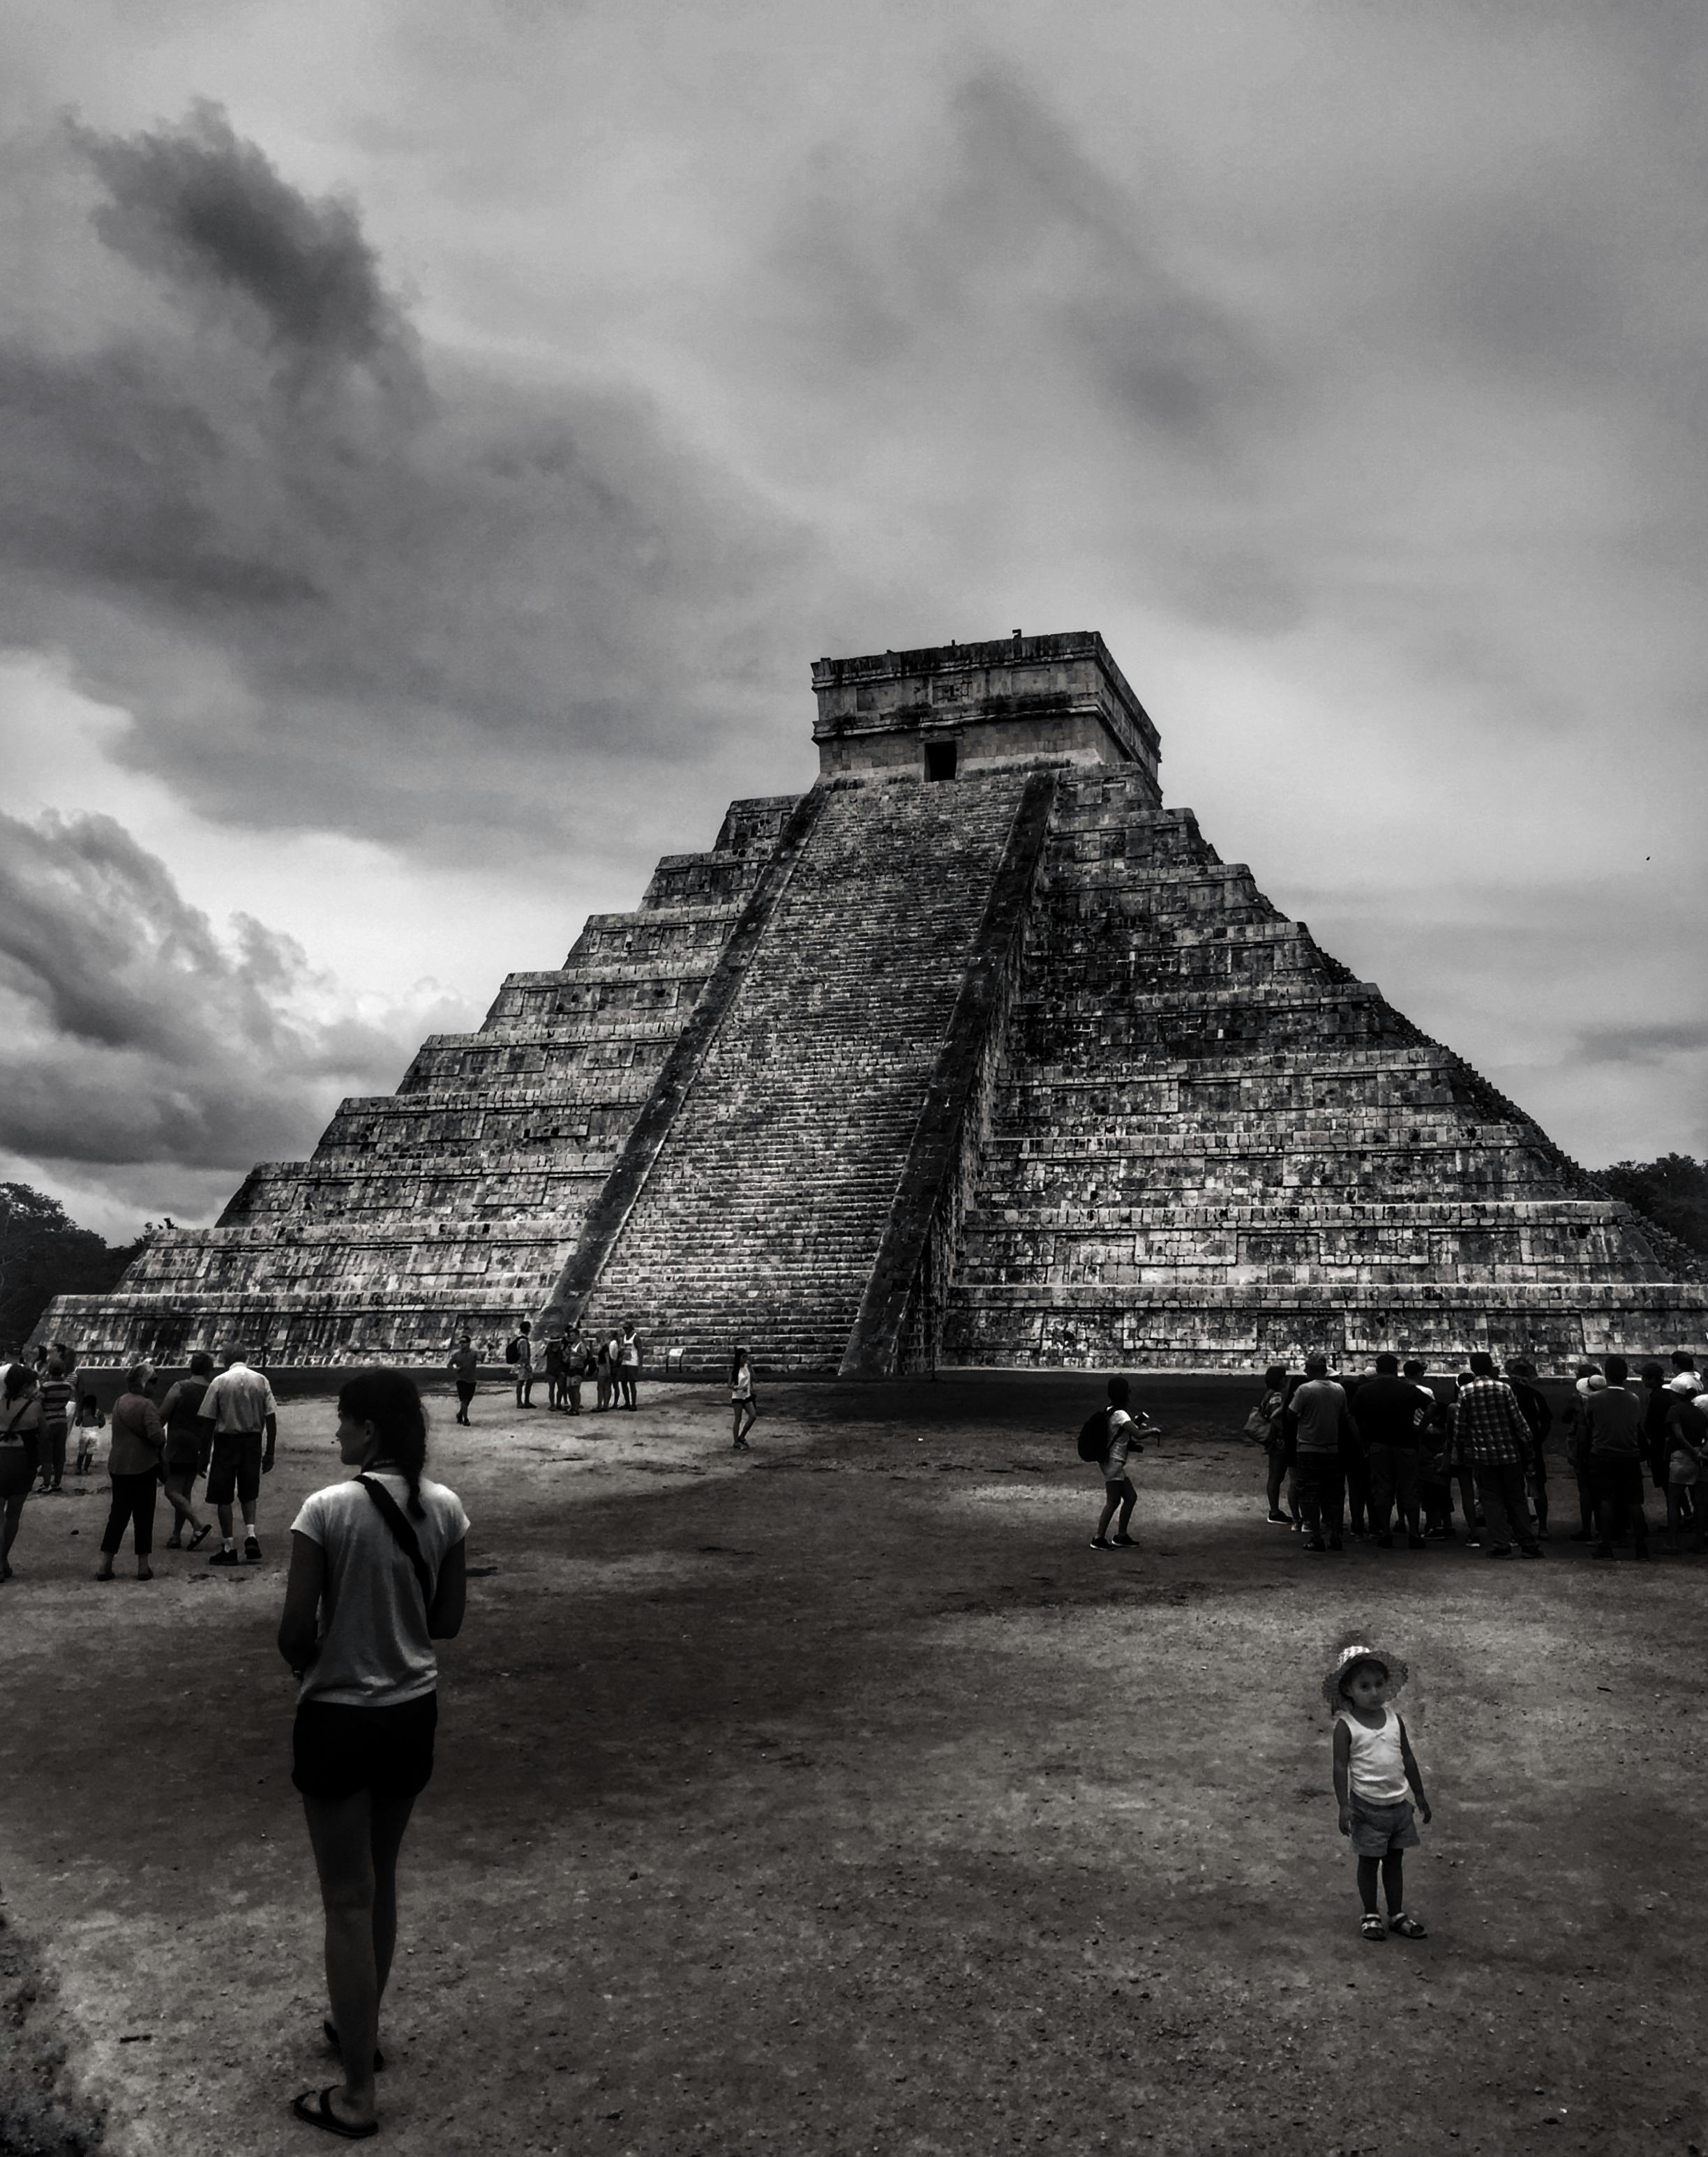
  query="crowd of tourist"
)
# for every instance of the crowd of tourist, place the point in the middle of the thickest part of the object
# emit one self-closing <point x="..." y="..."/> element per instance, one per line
<point x="569" y="1359"/>
<point x="1387" y="1452"/>
<point x="224" y="1427"/>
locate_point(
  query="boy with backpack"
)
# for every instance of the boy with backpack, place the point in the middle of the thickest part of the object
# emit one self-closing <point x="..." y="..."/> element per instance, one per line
<point x="1107" y="1438"/>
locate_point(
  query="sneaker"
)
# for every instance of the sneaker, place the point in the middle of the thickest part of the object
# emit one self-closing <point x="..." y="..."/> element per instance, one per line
<point x="1531" y="1550"/>
<point x="1125" y="1542"/>
<point x="225" y="1557"/>
<point x="1314" y="1543"/>
<point x="251" y="1550"/>
<point x="1101" y="1542"/>
<point x="1416" y="1542"/>
<point x="1472" y="1543"/>
<point x="1278" y="1520"/>
<point x="1500" y="1550"/>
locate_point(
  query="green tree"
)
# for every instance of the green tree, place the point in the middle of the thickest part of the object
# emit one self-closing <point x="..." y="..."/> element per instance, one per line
<point x="1673" y="1192"/>
<point x="45" y="1254"/>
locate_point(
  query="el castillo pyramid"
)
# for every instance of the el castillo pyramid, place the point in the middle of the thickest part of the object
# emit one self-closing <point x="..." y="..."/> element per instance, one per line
<point x="974" y="1054"/>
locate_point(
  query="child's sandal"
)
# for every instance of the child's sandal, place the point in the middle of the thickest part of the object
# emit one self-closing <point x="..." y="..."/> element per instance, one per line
<point x="1407" y="1927"/>
<point x="1373" y="1928"/>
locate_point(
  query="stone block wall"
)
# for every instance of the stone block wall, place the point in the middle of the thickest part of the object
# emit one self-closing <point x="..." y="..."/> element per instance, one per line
<point x="1211" y="1144"/>
<point x="452" y="1202"/>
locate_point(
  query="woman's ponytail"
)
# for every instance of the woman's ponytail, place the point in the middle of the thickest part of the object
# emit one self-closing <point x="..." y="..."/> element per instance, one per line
<point x="391" y="1402"/>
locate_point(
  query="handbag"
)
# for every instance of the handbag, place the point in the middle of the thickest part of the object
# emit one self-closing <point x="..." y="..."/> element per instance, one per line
<point x="397" y="1521"/>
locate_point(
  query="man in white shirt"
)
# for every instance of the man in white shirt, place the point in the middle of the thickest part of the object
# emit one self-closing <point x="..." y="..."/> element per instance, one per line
<point x="1686" y="1378"/>
<point x="239" y="1404"/>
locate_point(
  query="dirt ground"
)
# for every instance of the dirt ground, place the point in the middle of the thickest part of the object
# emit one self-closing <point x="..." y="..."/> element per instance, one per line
<point x="839" y="1799"/>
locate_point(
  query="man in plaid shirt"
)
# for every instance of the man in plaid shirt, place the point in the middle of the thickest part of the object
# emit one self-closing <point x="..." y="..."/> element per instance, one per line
<point x="1491" y="1428"/>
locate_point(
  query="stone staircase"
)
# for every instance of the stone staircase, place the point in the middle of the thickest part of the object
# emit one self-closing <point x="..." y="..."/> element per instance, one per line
<point x="1210" y="1144"/>
<point x="764" y="1211"/>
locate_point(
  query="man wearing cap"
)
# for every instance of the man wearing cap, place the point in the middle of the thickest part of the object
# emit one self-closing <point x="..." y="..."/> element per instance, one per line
<point x="1493" y="1430"/>
<point x="239" y="1405"/>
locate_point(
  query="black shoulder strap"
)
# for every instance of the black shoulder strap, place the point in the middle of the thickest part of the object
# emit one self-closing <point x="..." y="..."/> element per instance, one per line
<point x="397" y="1521"/>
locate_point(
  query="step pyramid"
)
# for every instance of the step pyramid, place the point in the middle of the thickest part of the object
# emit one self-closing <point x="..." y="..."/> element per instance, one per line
<point x="974" y="1054"/>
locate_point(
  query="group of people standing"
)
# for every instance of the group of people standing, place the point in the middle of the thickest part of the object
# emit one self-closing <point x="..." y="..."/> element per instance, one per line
<point x="612" y="1361"/>
<point x="1385" y="1451"/>
<point x="222" y="1427"/>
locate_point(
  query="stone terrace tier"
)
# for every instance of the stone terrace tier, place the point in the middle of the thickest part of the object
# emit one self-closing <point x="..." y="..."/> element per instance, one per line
<point x="1211" y="1146"/>
<point x="452" y="1202"/>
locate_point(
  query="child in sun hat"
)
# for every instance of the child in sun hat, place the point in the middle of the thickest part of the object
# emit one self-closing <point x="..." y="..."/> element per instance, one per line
<point x="1373" y="1769"/>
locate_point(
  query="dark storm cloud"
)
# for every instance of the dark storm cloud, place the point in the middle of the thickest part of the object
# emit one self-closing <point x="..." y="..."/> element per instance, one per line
<point x="134" y="1035"/>
<point x="336" y="586"/>
<point x="212" y="212"/>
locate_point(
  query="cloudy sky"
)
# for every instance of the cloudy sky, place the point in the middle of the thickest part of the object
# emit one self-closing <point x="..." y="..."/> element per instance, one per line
<point x="435" y="442"/>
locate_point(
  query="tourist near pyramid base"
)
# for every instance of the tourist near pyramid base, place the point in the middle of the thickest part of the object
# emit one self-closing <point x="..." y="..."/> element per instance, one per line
<point x="974" y="1054"/>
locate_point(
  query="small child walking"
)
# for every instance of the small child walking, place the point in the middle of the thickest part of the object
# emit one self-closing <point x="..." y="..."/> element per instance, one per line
<point x="84" y="1424"/>
<point x="1373" y="1770"/>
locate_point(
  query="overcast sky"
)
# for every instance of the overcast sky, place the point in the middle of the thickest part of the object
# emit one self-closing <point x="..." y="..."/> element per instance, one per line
<point x="438" y="439"/>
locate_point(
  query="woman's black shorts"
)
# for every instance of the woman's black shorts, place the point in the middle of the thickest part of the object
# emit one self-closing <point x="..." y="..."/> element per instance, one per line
<point x="337" y="1750"/>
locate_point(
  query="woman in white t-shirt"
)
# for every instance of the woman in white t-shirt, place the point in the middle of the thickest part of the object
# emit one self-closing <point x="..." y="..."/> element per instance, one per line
<point x="376" y="1576"/>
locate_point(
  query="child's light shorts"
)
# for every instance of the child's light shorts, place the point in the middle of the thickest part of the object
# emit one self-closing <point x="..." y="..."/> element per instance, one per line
<point x="1377" y="1830"/>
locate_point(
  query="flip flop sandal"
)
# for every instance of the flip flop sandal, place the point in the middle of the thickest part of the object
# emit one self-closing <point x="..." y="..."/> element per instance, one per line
<point x="1408" y="1928"/>
<point x="317" y="2112"/>
<point x="332" y="2037"/>
<point x="1372" y="1926"/>
<point x="201" y="1535"/>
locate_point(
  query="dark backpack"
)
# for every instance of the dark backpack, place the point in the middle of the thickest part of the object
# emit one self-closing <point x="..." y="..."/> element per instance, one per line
<point x="512" y="1354"/>
<point x="1094" y="1436"/>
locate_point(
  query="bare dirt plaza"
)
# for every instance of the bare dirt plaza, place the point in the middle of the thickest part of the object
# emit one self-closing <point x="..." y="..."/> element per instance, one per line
<point x="838" y="1799"/>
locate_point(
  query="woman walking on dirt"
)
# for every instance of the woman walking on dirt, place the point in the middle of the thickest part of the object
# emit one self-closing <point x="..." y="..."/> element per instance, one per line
<point x="376" y="1576"/>
<point x="1373" y="1771"/>
<point x="134" y="1456"/>
<point x="20" y="1440"/>
<point x="1268" y="1426"/>
<point x="746" y="1408"/>
<point x="189" y="1446"/>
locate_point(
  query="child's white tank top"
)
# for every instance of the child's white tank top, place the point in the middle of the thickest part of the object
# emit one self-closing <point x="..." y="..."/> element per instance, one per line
<point x="1376" y="1767"/>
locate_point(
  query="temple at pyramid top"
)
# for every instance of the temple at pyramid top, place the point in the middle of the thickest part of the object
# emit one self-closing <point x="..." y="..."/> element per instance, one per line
<point x="951" y="709"/>
<point x="973" y="1053"/>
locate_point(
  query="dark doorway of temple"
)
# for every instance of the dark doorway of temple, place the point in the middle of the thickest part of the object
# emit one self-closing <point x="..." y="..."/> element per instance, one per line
<point x="940" y="760"/>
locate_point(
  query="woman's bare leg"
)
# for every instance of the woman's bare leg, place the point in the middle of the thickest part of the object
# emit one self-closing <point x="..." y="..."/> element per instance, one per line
<point x="390" y="1817"/>
<point x="9" y="1519"/>
<point x="341" y="1830"/>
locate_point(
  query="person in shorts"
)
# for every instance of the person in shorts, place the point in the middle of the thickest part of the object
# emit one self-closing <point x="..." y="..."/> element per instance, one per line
<point x="1375" y="1779"/>
<point x="240" y="1406"/>
<point x="1119" y="1494"/>
<point x="378" y="1575"/>
<point x="189" y="1444"/>
<point x="464" y="1372"/>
